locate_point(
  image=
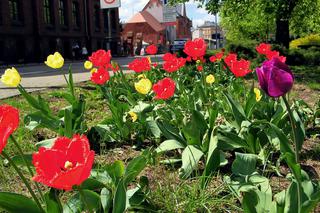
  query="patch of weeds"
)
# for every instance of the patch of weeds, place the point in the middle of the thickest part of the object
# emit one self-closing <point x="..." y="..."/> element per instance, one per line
<point x="187" y="196"/>
<point x="314" y="85"/>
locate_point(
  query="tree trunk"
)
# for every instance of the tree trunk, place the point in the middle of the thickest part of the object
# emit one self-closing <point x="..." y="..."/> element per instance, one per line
<point x="282" y="32"/>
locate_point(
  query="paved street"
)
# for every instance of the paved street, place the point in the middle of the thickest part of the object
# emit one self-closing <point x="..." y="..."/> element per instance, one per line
<point x="39" y="76"/>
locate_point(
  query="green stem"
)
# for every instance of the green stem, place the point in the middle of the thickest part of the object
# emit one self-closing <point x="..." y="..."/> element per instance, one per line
<point x="27" y="165"/>
<point x="296" y="150"/>
<point x="24" y="180"/>
<point x="293" y="125"/>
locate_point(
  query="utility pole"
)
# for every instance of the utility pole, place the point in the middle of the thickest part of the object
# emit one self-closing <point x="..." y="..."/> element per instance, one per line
<point x="109" y="30"/>
<point x="217" y="41"/>
<point x="86" y="28"/>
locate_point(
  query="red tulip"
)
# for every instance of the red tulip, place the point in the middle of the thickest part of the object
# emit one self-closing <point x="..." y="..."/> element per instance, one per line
<point x="101" y="76"/>
<point x="100" y="58"/>
<point x="216" y="57"/>
<point x="67" y="163"/>
<point x="172" y="63"/>
<point x="164" y="89"/>
<point x="238" y="68"/>
<point x="152" y="49"/>
<point x="200" y="68"/>
<point x="230" y="58"/>
<point x="263" y="48"/>
<point x="140" y="65"/>
<point x="196" y="48"/>
<point x="241" y="68"/>
<point x="275" y="54"/>
<point x="9" y="122"/>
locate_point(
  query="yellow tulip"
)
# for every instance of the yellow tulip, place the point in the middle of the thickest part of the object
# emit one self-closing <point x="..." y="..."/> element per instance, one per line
<point x="149" y="59"/>
<point x="55" y="61"/>
<point x="88" y="65"/>
<point x="11" y="77"/>
<point x="258" y="94"/>
<point x="133" y="116"/>
<point x="210" y="79"/>
<point x="93" y="70"/>
<point x="143" y="86"/>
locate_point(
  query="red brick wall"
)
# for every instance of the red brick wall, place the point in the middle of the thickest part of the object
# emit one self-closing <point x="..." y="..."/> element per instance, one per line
<point x="149" y="35"/>
<point x="184" y="28"/>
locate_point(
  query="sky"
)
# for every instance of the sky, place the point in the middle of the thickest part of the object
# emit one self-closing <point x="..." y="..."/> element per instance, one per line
<point x="197" y="15"/>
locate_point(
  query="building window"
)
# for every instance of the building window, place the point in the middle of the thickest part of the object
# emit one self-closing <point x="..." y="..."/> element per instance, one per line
<point x="97" y="17"/>
<point x="62" y="12"/>
<point x="15" y="10"/>
<point x="75" y="14"/>
<point x="47" y="12"/>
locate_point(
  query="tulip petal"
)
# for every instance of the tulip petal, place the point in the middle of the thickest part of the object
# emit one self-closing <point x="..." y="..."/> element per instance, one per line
<point x="280" y="82"/>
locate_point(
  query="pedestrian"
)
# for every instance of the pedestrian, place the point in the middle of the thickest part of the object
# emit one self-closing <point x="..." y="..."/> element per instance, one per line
<point x="84" y="52"/>
<point x="142" y="52"/>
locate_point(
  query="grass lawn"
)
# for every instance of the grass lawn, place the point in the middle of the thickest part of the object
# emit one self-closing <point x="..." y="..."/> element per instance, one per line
<point x="168" y="192"/>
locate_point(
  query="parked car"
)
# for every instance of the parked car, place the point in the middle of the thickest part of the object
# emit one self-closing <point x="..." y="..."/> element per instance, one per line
<point x="177" y="46"/>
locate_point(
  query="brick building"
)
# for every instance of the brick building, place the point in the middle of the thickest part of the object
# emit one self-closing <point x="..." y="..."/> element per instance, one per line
<point x="32" y="29"/>
<point x="149" y="26"/>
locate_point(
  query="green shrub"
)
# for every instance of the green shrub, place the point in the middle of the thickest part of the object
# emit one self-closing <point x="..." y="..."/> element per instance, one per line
<point x="310" y="56"/>
<point x="245" y="49"/>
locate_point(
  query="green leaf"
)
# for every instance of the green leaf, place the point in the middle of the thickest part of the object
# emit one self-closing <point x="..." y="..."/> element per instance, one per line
<point x="91" y="200"/>
<point x="190" y="159"/>
<point x="17" y="203"/>
<point x="213" y="158"/>
<point x="284" y="141"/>
<point x="20" y="161"/>
<point x="92" y="184"/>
<point x="68" y="131"/>
<point x="299" y="130"/>
<point x="230" y="140"/>
<point x="106" y="199"/>
<point x="170" y="132"/>
<point x="46" y="143"/>
<point x="153" y="127"/>
<point x="120" y="198"/>
<point x="116" y="170"/>
<point x="244" y="164"/>
<point x="195" y="128"/>
<point x="74" y="204"/>
<point x="70" y="82"/>
<point x="237" y="110"/>
<point x="291" y="200"/>
<point x="250" y="102"/>
<point x="134" y="167"/>
<point x="169" y="145"/>
<point x="37" y="119"/>
<point x="280" y="199"/>
<point x="52" y="201"/>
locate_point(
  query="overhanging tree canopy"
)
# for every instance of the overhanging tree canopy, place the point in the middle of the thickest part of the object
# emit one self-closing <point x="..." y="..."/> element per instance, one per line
<point x="303" y="15"/>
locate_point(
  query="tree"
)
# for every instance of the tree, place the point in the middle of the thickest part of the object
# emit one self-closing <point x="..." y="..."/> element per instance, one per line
<point x="282" y="12"/>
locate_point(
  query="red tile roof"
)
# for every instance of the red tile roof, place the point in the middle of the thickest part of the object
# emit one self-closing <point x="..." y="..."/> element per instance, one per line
<point x="146" y="17"/>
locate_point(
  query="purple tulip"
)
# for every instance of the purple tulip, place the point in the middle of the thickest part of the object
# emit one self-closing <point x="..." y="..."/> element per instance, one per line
<point x="275" y="77"/>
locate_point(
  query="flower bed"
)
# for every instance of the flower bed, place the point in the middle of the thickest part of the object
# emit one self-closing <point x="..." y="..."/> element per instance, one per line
<point x="199" y="115"/>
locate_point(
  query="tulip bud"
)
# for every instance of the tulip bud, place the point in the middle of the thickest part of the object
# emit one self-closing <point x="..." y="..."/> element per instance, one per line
<point x="275" y="77"/>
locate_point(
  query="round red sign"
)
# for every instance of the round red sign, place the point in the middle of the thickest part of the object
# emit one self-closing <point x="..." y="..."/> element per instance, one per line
<point x="109" y="1"/>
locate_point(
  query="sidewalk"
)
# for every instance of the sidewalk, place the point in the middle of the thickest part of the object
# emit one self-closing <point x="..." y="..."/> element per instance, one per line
<point x="44" y="82"/>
